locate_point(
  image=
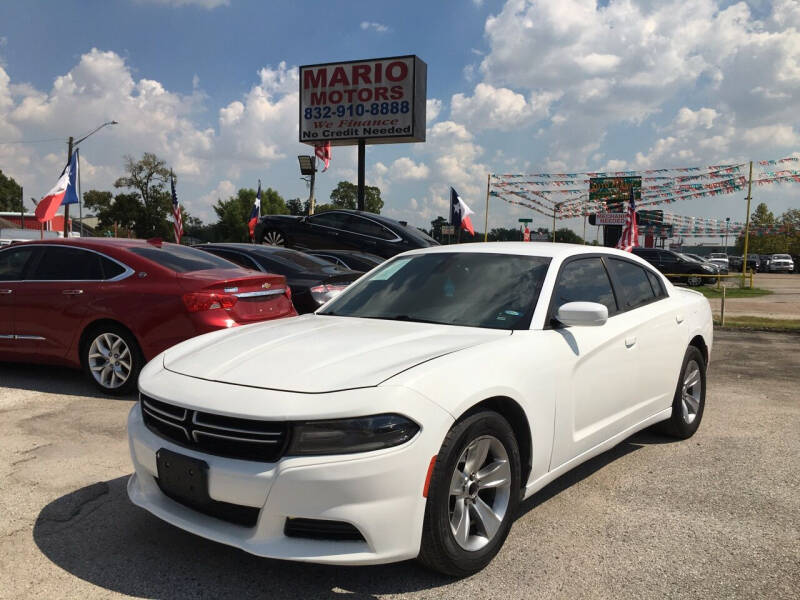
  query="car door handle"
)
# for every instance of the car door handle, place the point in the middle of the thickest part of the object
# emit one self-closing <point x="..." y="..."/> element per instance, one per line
<point x="72" y="292"/>
<point x="679" y="319"/>
<point x="630" y="341"/>
<point x="5" y="292"/>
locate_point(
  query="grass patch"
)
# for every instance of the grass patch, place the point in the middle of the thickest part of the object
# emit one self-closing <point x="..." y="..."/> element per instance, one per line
<point x="736" y="322"/>
<point x="732" y="292"/>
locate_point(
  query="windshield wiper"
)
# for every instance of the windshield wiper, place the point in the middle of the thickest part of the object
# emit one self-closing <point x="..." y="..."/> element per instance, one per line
<point x="414" y="319"/>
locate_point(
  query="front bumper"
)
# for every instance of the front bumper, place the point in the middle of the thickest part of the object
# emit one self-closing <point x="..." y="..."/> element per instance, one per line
<point x="380" y="493"/>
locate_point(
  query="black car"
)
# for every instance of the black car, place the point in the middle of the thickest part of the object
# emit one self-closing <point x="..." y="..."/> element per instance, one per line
<point x="349" y="259"/>
<point x="343" y="230"/>
<point x="313" y="281"/>
<point x="672" y="263"/>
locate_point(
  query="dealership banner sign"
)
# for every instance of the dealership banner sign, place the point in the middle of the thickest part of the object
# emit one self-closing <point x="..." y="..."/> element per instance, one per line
<point x="381" y="101"/>
<point x="610" y="219"/>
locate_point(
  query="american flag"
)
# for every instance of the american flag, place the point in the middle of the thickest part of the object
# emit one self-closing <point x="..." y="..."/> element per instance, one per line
<point x="630" y="231"/>
<point x="176" y="212"/>
<point x="323" y="152"/>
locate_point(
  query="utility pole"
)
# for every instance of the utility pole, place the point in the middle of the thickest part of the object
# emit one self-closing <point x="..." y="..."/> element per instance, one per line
<point x="66" y="206"/>
<point x="747" y="224"/>
<point x="21" y="207"/>
<point x="311" y="200"/>
<point x="486" y="218"/>
<point x="554" y="222"/>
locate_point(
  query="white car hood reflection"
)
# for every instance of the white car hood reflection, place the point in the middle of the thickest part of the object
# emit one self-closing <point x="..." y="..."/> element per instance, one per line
<point x="315" y="354"/>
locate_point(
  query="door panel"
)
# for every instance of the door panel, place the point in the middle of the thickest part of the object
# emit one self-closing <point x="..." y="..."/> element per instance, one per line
<point x="14" y="265"/>
<point x="599" y="385"/>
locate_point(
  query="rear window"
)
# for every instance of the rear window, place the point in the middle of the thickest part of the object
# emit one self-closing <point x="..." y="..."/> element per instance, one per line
<point x="182" y="259"/>
<point x="297" y="261"/>
<point x="633" y="279"/>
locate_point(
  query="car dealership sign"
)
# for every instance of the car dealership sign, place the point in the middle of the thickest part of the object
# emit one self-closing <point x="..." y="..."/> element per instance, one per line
<point x="380" y="100"/>
<point x="610" y="219"/>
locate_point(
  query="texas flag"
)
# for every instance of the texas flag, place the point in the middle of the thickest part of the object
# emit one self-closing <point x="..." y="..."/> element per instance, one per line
<point x="255" y="213"/>
<point x="460" y="212"/>
<point x="64" y="192"/>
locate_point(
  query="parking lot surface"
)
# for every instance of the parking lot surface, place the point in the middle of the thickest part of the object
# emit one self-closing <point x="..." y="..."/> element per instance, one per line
<point x="716" y="516"/>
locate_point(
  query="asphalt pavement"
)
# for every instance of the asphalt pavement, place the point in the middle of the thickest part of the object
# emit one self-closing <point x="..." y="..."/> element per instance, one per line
<point x="717" y="516"/>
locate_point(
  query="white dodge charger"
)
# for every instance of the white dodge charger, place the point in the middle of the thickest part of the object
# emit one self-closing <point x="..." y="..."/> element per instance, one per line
<point x="410" y="416"/>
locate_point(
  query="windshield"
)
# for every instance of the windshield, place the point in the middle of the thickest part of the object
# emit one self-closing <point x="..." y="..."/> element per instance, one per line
<point x="687" y="257"/>
<point x="495" y="291"/>
<point x="182" y="259"/>
<point x="781" y="257"/>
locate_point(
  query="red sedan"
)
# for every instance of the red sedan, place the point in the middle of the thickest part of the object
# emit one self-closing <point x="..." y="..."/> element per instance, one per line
<point x="108" y="306"/>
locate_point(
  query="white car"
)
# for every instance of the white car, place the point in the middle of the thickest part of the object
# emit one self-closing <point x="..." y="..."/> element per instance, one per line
<point x="410" y="416"/>
<point x="781" y="263"/>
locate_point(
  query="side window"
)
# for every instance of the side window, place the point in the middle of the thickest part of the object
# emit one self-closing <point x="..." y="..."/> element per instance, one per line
<point x="13" y="263"/>
<point x="370" y="228"/>
<point x="330" y="219"/>
<point x="635" y="284"/>
<point x="668" y="258"/>
<point x="655" y="283"/>
<point x="584" y="280"/>
<point x="111" y="269"/>
<point x="68" y="264"/>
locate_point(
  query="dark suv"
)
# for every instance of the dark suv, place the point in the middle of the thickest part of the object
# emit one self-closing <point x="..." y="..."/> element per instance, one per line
<point x="678" y="268"/>
<point x="342" y="230"/>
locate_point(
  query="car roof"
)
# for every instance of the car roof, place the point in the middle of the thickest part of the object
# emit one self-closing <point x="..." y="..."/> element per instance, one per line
<point x="543" y="249"/>
<point x="94" y="243"/>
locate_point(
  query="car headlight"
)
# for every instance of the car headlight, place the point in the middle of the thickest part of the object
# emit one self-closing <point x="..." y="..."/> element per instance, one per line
<point x="709" y="269"/>
<point x="346" y="436"/>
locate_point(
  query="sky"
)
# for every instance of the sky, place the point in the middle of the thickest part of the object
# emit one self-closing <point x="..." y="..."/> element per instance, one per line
<point x="519" y="86"/>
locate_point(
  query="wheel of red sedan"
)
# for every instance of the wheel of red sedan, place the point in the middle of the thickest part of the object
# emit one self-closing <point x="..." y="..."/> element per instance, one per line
<point x="112" y="359"/>
<point x="473" y="495"/>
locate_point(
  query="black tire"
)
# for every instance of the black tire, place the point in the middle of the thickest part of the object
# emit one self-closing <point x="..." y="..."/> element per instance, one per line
<point x="694" y="281"/>
<point x="679" y="425"/>
<point x="439" y="549"/>
<point x="90" y="362"/>
<point x="274" y="237"/>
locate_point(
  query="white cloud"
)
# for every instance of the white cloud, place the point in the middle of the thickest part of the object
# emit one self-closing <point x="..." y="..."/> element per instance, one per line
<point x="500" y="108"/>
<point x="373" y="26"/>
<point x="405" y="168"/>
<point x="433" y="107"/>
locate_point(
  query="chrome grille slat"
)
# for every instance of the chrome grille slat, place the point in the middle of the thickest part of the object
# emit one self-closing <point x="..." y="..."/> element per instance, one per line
<point x="215" y="434"/>
<point x="198" y="422"/>
<point x="198" y="432"/>
<point x="175" y="417"/>
<point x="147" y="411"/>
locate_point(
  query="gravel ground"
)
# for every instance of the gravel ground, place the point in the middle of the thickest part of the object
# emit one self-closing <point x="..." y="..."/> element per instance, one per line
<point x="715" y="516"/>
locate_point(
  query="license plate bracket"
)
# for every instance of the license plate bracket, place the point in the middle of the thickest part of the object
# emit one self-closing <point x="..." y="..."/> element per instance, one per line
<point x="183" y="478"/>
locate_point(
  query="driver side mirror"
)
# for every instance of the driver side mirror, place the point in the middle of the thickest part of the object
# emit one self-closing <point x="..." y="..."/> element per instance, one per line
<point x="582" y="314"/>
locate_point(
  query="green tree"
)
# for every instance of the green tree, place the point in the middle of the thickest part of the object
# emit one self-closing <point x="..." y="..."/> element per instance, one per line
<point x="10" y="194"/>
<point x="297" y="207"/>
<point x="567" y="236"/>
<point x="122" y="211"/>
<point x="346" y="196"/>
<point x="272" y="203"/>
<point x="436" y="228"/>
<point x="762" y="216"/>
<point x="149" y="177"/>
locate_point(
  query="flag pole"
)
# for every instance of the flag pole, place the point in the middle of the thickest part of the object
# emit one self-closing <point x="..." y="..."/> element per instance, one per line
<point x="80" y="200"/>
<point x="486" y="219"/>
<point x="66" y="206"/>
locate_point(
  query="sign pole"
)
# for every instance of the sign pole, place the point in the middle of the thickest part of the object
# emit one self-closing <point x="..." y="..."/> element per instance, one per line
<point x="486" y="219"/>
<point x="554" y="223"/>
<point x="747" y="224"/>
<point x="361" y="152"/>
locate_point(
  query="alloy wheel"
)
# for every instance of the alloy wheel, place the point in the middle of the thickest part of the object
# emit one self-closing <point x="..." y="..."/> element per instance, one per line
<point x="691" y="392"/>
<point x="110" y="360"/>
<point x="479" y="492"/>
<point x="274" y="238"/>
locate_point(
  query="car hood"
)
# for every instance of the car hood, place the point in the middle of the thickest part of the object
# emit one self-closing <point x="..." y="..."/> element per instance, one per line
<point x="315" y="353"/>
